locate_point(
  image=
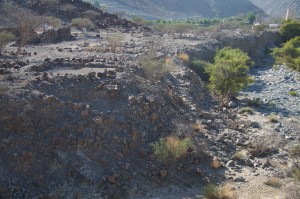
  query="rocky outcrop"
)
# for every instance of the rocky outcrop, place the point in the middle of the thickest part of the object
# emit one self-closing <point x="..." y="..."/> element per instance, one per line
<point x="256" y="45"/>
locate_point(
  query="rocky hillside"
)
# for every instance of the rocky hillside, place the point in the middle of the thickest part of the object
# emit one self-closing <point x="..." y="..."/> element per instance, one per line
<point x="278" y="7"/>
<point x="66" y="10"/>
<point x="78" y="122"/>
<point x="181" y="9"/>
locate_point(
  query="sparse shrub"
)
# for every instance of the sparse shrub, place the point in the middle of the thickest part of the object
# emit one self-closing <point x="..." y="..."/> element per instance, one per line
<point x="294" y="93"/>
<point x="211" y="191"/>
<point x="296" y="174"/>
<point x="289" y="54"/>
<point x="68" y="7"/>
<point x="290" y="29"/>
<point x="273" y="118"/>
<point x="82" y="22"/>
<point x="91" y="13"/>
<point x="259" y="28"/>
<point x="5" y="38"/>
<point x="273" y="182"/>
<point x="153" y="67"/>
<point x="261" y="147"/>
<point x="229" y="73"/>
<point x="171" y="148"/>
<point x="93" y="47"/>
<point x="294" y="153"/>
<point x="256" y="102"/>
<point x="26" y="23"/>
<point x="197" y="127"/>
<point x="271" y="104"/>
<point x="114" y="41"/>
<point x="53" y="21"/>
<point x="2" y="89"/>
<point x="138" y="20"/>
<point x="199" y="67"/>
<point x="239" y="155"/>
<point x="246" y="110"/>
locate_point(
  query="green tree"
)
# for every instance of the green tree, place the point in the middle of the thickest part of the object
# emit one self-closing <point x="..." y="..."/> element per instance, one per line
<point x="251" y="17"/>
<point x="229" y="73"/>
<point x="290" y="29"/>
<point x="289" y="54"/>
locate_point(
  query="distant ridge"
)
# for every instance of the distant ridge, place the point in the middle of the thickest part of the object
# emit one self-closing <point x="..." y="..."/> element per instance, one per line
<point x="179" y="8"/>
<point x="278" y="7"/>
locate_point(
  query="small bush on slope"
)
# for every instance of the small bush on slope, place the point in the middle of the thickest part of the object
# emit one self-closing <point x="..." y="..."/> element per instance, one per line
<point x="171" y="148"/>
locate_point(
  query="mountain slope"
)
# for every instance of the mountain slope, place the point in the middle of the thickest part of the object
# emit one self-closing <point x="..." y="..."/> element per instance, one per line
<point x="278" y="7"/>
<point x="181" y="9"/>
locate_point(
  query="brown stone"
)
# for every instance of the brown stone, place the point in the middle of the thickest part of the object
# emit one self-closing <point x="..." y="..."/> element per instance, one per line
<point x="153" y="117"/>
<point x="98" y="121"/>
<point x="198" y="172"/>
<point x="111" y="179"/>
<point x="84" y="113"/>
<point x="127" y="166"/>
<point x="163" y="173"/>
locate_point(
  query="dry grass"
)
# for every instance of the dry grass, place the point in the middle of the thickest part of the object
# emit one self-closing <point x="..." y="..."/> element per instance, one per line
<point x="155" y="68"/>
<point x="239" y="155"/>
<point x="227" y="192"/>
<point x="184" y="57"/>
<point x="215" y="164"/>
<point x="273" y="118"/>
<point x="211" y="191"/>
<point x="114" y="41"/>
<point x="197" y="127"/>
<point x="273" y="182"/>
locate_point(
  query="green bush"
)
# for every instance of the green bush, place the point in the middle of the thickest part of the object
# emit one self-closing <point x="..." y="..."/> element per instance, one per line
<point x="290" y="29"/>
<point x="250" y="17"/>
<point x="289" y="54"/>
<point x="171" y="148"/>
<point x="294" y="93"/>
<point x="199" y="67"/>
<point x="5" y="38"/>
<point x="229" y="73"/>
